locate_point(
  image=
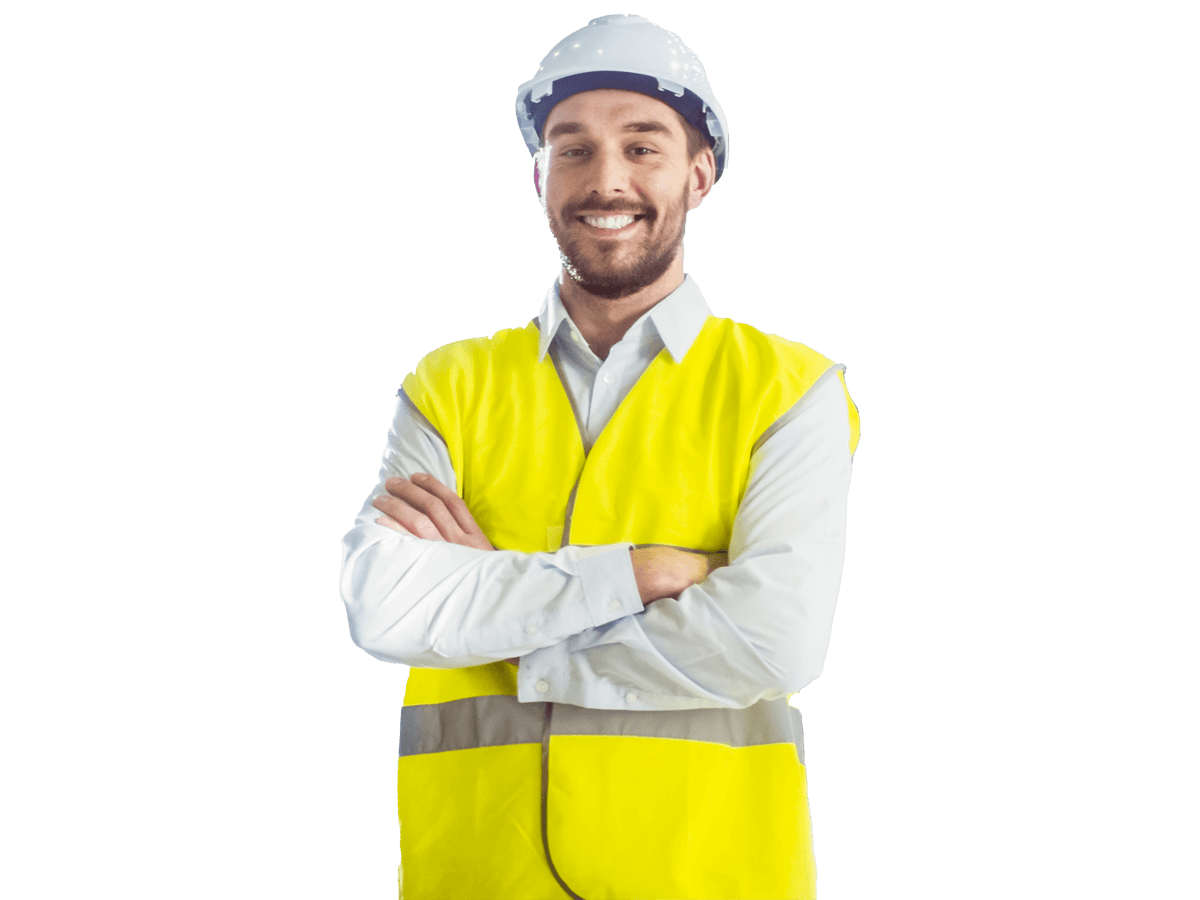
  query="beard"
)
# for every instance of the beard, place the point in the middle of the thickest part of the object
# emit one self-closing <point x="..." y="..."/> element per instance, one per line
<point x="602" y="274"/>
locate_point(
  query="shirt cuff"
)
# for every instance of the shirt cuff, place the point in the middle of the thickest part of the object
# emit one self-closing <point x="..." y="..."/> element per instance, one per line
<point x="609" y="586"/>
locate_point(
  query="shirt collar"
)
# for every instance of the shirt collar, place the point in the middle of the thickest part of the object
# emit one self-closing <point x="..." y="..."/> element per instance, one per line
<point x="678" y="318"/>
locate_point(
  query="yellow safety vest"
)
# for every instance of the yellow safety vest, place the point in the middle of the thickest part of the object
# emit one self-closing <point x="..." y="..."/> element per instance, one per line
<point x="502" y="799"/>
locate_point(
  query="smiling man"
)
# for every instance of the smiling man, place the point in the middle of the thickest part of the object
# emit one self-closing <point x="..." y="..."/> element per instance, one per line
<point x="622" y="171"/>
<point x="609" y="543"/>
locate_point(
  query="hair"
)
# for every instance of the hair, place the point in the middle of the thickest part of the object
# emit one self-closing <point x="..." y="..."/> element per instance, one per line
<point x="695" y="140"/>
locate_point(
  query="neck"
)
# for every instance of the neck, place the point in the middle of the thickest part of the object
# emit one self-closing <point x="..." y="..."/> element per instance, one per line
<point x="602" y="321"/>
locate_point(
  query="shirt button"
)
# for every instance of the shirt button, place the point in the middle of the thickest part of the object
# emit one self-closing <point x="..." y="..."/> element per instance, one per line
<point x="531" y="628"/>
<point x="631" y="698"/>
<point x="608" y="379"/>
<point x="614" y="606"/>
<point x="541" y="687"/>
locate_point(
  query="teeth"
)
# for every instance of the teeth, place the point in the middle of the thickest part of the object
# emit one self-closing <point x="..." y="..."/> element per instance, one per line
<point x="608" y="221"/>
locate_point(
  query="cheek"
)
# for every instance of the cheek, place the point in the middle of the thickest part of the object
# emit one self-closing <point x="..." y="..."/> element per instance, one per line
<point x="555" y="190"/>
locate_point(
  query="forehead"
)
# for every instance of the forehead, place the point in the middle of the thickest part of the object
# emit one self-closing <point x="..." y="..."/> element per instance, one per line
<point x="591" y="111"/>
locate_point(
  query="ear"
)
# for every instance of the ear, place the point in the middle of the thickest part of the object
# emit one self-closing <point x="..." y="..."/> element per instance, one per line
<point x="703" y="169"/>
<point x="537" y="176"/>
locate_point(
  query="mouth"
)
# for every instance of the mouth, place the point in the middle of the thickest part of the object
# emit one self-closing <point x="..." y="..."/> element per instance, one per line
<point x="610" y="223"/>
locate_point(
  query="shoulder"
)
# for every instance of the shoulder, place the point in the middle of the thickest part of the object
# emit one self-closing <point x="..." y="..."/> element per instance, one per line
<point x="466" y="356"/>
<point x="770" y="351"/>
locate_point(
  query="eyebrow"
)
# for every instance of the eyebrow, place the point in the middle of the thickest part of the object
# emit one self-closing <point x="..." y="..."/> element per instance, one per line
<point x="651" y="125"/>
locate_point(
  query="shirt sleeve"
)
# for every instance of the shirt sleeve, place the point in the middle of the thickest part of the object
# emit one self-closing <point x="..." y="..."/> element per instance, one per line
<point x="756" y="629"/>
<point x="439" y="605"/>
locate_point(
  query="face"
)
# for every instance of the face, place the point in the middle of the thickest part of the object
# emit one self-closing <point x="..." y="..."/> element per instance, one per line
<point x="618" y="186"/>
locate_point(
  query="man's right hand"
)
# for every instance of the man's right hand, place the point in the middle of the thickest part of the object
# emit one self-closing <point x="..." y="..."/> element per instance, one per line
<point x="424" y="507"/>
<point x="663" y="572"/>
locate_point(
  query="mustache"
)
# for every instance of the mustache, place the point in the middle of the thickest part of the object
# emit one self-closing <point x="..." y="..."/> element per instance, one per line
<point x="577" y="208"/>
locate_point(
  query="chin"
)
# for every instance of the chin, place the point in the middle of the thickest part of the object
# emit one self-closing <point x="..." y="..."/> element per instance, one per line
<point x="609" y="291"/>
<point x="615" y="283"/>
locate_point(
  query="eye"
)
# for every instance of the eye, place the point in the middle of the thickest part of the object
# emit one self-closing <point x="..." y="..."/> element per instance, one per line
<point x="643" y="151"/>
<point x="580" y="150"/>
<point x="574" y="152"/>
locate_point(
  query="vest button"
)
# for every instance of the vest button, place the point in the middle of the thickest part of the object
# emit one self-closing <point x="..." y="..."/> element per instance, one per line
<point x="541" y="687"/>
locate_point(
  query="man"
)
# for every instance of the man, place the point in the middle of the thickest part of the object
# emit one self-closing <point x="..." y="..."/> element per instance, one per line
<point x="609" y="543"/>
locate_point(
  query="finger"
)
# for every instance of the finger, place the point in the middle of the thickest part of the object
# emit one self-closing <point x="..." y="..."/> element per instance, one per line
<point x="426" y="493"/>
<point x="389" y="522"/>
<point x="454" y="503"/>
<point x="412" y="520"/>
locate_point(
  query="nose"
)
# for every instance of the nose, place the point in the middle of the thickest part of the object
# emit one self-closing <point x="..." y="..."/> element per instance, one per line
<point x="610" y="173"/>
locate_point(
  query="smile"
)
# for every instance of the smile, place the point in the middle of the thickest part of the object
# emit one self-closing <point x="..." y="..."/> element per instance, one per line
<point x="609" y="223"/>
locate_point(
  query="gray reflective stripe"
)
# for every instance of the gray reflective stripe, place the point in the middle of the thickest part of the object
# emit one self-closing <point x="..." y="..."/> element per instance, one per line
<point x="495" y="721"/>
<point x="795" y="410"/>
<point x="412" y="408"/>
<point x="471" y="722"/>
<point x="734" y="727"/>
<point x="562" y="379"/>
<point x="566" y="535"/>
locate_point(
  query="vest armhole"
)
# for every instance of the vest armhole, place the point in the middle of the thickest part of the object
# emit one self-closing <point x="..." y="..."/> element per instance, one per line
<point x="420" y="416"/>
<point x="792" y="413"/>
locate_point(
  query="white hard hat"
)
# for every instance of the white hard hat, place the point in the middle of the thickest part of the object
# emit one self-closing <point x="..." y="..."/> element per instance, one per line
<point x="624" y="53"/>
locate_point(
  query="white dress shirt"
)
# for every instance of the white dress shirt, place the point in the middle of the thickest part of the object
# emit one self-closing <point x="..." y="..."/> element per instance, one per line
<point x="755" y="629"/>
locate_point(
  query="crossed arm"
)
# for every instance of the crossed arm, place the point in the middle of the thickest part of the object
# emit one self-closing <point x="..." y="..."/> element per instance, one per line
<point x="424" y="507"/>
